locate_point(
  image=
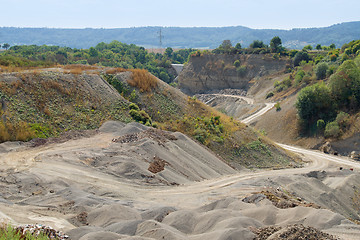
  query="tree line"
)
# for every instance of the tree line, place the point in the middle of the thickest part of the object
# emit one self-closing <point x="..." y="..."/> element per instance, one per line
<point x="113" y="54"/>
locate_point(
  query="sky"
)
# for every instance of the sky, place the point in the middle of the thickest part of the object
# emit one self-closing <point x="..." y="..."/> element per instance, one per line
<point x="259" y="14"/>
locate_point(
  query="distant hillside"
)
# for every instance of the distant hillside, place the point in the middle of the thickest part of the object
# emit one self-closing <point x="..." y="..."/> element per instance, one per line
<point x="178" y="37"/>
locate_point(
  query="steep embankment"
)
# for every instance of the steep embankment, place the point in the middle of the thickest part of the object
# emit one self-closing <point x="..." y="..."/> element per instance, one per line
<point x="215" y="72"/>
<point x="237" y="144"/>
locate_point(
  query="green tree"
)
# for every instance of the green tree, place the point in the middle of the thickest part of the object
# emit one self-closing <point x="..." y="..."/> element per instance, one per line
<point x="314" y="103"/>
<point x="257" y="44"/>
<point x="301" y="56"/>
<point x="318" y="47"/>
<point x="332" y="46"/>
<point x="238" y="46"/>
<point x="169" y="52"/>
<point x="345" y="85"/>
<point x="308" y="47"/>
<point x="275" y="44"/>
<point x="93" y="52"/>
<point x="321" y="70"/>
<point x="226" y="44"/>
<point x="6" y="46"/>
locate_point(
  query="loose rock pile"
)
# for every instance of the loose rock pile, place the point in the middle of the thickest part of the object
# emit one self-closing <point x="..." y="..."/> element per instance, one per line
<point x="158" y="135"/>
<point x="37" y="229"/>
<point x="291" y="232"/>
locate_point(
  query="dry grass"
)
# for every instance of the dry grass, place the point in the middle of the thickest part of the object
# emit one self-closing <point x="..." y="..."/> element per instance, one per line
<point x="80" y="66"/>
<point x="115" y="70"/>
<point x="15" y="132"/>
<point x="142" y="80"/>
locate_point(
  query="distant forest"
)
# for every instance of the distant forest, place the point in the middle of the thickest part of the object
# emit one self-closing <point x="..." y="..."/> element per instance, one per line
<point x="180" y="37"/>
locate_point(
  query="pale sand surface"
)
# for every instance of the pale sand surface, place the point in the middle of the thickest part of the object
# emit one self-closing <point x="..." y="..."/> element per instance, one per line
<point x="95" y="188"/>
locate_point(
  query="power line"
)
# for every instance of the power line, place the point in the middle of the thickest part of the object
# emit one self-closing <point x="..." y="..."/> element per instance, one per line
<point x="160" y="38"/>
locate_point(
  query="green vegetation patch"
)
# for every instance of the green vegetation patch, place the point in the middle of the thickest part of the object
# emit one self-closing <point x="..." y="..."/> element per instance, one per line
<point x="62" y="103"/>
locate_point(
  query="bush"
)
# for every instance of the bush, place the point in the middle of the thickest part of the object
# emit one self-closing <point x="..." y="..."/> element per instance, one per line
<point x="269" y="95"/>
<point x="320" y="125"/>
<point x="321" y="70"/>
<point x="140" y="116"/>
<point x="301" y="56"/>
<point x="277" y="106"/>
<point x="299" y="77"/>
<point x="345" y="85"/>
<point x="200" y="134"/>
<point x="237" y="63"/>
<point x="343" y="120"/>
<point x="134" y="107"/>
<point x="332" y="129"/>
<point x="314" y="103"/>
<point x="241" y="70"/>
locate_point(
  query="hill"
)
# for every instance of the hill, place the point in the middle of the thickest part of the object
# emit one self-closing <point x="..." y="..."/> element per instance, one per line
<point x="178" y="37"/>
<point x="71" y="100"/>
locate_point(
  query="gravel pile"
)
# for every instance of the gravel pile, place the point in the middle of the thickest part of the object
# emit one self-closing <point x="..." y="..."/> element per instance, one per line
<point x="158" y="135"/>
<point x="37" y="229"/>
<point x="291" y="232"/>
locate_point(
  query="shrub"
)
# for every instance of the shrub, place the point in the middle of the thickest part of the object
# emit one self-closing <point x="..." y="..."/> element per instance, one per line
<point x="269" y="95"/>
<point x="320" y="125"/>
<point x="277" y="106"/>
<point x="8" y="232"/>
<point x="200" y="134"/>
<point x="134" y="107"/>
<point x="321" y="70"/>
<point x="332" y="129"/>
<point x="237" y="63"/>
<point x="343" y="120"/>
<point x="140" y="116"/>
<point x="241" y="70"/>
<point x="301" y="56"/>
<point x="313" y="103"/>
<point x="299" y="77"/>
<point x="333" y="57"/>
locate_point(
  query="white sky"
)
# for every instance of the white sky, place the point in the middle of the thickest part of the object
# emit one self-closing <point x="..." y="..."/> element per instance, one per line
<point x="276" y="14"/>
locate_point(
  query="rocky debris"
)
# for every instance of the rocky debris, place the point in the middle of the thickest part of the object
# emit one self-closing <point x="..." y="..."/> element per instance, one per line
<point x="327" y="148"/>
<point x="355" y="155"/>
<point x="156" y="134"/>
<point x="231" y="91"/>
<point x="279" y="198"/>
<point x="37" y="229"/>
<point x="291" y="232"/>
<point x="321" y="175"/>
<point x="157" y="165"/>
<point x="254" y="198"/>
<point x="82" y="218"/>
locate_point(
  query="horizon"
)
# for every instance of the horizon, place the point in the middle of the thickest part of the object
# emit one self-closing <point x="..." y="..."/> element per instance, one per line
<point x="110" y="14"/>
<point x="230" y="26"/>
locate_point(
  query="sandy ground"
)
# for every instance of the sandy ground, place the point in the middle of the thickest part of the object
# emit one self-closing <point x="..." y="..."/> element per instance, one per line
<point x="133" y="182"/>
<point x="128" y="181"/>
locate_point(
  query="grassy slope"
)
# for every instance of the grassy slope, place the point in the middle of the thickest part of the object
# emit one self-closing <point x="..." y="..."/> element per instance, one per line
<point x="43" y="104"/>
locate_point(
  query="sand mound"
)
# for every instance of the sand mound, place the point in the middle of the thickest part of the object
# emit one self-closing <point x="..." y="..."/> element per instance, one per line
<point x="156" y="230"/>
<point x="110" y="214"/>
<point x="124" y="227"/>
<point x="101" y="235"/>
